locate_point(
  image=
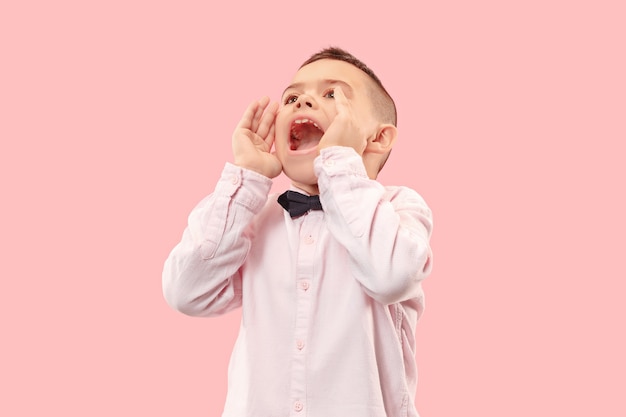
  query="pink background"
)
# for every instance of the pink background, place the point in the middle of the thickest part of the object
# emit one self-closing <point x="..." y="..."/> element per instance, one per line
<point x="115" y="120"/>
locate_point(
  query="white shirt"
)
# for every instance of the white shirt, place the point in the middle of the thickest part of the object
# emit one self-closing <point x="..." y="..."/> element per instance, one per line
<point x="329" y="300"/>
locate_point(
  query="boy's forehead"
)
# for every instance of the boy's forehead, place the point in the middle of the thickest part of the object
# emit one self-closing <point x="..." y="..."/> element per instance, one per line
<point x="330" y="69"/>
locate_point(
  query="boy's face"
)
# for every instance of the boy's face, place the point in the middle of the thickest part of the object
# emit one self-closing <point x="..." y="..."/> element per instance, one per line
<point x="308" y="108"/>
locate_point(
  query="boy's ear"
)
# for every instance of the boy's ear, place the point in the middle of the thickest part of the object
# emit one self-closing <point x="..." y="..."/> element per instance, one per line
<point x="384" y="140"/>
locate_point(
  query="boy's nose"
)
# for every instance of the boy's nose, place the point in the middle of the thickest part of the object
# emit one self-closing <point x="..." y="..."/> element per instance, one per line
<point x="304" y="100"/>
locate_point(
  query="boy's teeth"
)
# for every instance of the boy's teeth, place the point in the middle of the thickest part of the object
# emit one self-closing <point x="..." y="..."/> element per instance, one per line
<point x="300" y="121"/>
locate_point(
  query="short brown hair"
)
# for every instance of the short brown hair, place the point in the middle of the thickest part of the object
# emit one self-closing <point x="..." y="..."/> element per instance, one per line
<point x="383" y="105"/>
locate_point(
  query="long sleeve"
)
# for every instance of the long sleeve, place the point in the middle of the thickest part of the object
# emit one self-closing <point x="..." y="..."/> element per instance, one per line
<point x="386" y="230"/>
<point x="201" y="276"/>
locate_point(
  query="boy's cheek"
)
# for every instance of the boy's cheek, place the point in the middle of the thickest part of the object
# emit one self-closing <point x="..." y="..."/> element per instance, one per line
<point x="280" y="141"/>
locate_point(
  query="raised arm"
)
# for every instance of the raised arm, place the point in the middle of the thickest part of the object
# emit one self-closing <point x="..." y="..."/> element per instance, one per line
<point x="385" y="230"/>
<point x="201" y="275"/>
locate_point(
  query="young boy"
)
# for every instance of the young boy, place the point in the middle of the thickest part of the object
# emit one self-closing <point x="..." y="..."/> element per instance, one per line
<point x="329" y="280"/>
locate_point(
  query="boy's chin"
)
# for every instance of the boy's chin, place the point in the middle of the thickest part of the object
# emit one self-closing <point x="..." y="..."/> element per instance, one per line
<point x="301" y="173"/>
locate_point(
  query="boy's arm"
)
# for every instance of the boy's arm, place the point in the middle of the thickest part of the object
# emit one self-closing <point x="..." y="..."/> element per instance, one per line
<point x="385" y="231"/>
<point x="201" y="275"/>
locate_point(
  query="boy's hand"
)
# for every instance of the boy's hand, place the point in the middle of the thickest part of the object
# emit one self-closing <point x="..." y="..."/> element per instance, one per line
<point x="344" y="130"/>
<point x="253" y="139"/>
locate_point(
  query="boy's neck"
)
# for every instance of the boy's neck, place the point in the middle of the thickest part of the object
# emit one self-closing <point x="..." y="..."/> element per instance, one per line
<point x="310" y="189"/>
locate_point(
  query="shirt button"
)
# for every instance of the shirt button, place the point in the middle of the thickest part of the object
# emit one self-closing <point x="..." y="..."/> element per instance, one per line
<point x="309" y="240"/>
<point x="329" y="162"/>
<point x="300" y="344"/>
<point x="304" y="285"/>
<point x="234" y="180"/>
<point x="298" y="406"/>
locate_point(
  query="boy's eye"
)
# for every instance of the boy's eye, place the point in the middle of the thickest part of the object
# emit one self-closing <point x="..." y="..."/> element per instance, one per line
<point x="291" y="99"/>
<point x="330" y="94"/>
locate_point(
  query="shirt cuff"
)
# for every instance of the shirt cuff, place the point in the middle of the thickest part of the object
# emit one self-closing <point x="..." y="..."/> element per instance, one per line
<point x="339" y="160"/>
<point x="244" y="186"/>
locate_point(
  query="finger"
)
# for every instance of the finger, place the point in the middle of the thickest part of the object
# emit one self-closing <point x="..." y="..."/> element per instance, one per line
<point x="267" y="121"/>
<point x="269" y="140"/>
<point x="341" y="102"/>
<point x="248" y="115"/>
<point x="259" y="113"/>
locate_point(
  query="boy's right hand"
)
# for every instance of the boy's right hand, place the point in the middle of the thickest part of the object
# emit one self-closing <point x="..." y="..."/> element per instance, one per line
<point x="253" y="139"/>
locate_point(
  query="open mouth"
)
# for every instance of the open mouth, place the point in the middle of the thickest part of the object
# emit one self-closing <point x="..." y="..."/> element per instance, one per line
<point x="304" y="134"/>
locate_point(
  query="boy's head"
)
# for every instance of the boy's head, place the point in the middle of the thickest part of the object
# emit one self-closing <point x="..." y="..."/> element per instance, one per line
<point x="308" y="108"/>
<point x="383" y="105"/>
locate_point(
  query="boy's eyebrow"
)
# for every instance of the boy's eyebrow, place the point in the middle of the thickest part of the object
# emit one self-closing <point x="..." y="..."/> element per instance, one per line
<point x="322" y="82"/>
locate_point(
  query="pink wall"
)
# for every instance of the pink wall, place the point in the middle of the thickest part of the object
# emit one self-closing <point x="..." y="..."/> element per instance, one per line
<point x="115" y="119"/>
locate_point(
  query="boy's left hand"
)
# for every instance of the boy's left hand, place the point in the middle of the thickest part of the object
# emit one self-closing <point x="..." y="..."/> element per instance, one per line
<point x="344" y="129"/>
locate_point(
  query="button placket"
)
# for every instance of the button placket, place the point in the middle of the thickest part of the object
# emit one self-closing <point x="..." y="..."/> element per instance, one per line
<point x="309" y="230"/>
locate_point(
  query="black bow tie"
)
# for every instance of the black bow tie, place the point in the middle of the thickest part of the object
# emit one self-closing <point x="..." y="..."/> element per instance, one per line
<point x="297" y="204"/>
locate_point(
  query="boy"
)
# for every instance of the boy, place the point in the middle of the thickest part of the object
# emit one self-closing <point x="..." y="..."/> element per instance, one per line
<point x="329" y="283"/>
